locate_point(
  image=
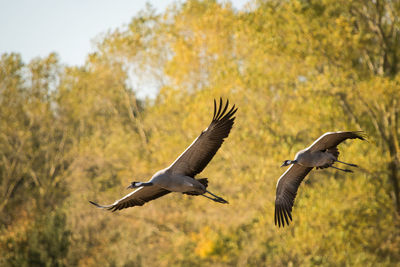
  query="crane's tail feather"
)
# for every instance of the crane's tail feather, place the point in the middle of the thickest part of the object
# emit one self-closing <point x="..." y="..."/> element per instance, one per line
<point x="203" y="181"/>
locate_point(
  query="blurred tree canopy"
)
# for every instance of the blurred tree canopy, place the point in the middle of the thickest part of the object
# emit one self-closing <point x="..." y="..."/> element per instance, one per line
<point x="295" y="69"/>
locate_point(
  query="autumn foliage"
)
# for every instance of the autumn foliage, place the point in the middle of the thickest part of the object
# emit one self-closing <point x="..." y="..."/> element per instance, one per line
<point x="295" y="69"/>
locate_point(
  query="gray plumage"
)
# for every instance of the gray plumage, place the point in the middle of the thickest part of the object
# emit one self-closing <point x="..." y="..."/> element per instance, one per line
<point x="323" y="153"/>
<point x="179" y="176"/>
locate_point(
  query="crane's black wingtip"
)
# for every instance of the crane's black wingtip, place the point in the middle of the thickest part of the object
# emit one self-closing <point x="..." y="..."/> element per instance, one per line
<point x="362" y="135"/>
<point x="220" y="110"/>
<point x="102" y="207"/>
<point x="94" y="203"/>
<point x="282" y="216"/>
<point x="97" y="205"/>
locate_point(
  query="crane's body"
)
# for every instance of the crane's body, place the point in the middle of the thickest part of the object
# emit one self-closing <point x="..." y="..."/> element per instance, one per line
<point x="177" y="182"/>
<point x="318" y="158"/>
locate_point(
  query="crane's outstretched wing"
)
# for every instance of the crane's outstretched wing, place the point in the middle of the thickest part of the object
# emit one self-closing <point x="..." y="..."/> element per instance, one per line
<point x="286" y="190"/>
<point x="196" y="157"/>
<point x="142" y="195"/>
<point x="136" y="198"/>
<point x="332" y="139"/>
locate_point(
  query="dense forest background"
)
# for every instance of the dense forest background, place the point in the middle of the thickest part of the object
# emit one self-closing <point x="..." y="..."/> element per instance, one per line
<point x="295" y="69"/>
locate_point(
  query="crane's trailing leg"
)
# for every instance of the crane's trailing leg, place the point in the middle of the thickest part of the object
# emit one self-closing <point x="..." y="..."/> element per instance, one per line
<point x="350" y="164"/>
<point x="345" y="170"/>
<point x="219" y="199"/>
<point x="216" y="199"/>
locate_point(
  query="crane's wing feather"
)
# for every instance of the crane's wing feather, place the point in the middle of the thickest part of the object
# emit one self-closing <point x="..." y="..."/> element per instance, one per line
<point x="286" y="190"/>
<point x="332" y="139"/>
<point x="136" y="198"/>
<point x="196" y="157"/>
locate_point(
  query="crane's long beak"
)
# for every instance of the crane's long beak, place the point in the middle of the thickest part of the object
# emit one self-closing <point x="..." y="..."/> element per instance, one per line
<point x="132" y="185"/>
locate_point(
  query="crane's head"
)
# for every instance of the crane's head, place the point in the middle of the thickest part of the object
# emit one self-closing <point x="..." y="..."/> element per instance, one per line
<point x="288" y="162"/>
<point x="134" y="185"/>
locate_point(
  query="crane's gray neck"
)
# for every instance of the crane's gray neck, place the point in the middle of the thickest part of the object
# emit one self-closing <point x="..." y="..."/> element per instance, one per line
<point x="139" y="184"/>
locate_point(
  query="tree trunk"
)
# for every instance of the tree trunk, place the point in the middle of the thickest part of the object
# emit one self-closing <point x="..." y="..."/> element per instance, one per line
<point x="393" y="170"/>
